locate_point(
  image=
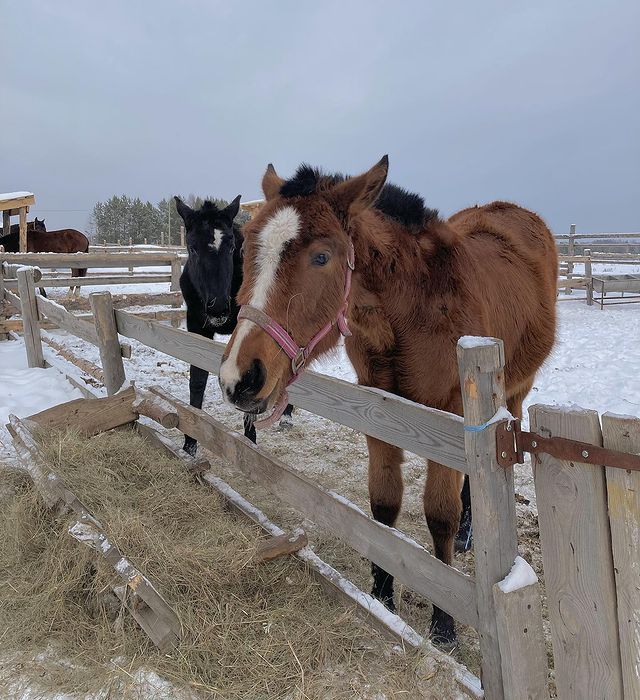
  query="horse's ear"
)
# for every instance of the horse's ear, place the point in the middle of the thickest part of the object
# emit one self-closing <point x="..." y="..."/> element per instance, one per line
<point x="231" y="210"/>
<point x="358" y="193"/>
<point x="184" y="210"/>
<point x="271" y="183"/>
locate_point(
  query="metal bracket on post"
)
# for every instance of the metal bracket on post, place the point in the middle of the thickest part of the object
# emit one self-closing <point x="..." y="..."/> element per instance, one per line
<point x="512" y="442"/>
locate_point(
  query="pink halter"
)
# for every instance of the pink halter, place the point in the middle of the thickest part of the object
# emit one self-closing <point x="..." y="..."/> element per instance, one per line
<point x="297" y="353"/>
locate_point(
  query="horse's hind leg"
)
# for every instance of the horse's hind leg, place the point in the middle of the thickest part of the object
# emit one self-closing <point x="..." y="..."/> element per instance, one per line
<point x="197" y="384"/>
<point x="442" y="507"/>
<point x="464" y="538"/>
<point x="385" y="496"/>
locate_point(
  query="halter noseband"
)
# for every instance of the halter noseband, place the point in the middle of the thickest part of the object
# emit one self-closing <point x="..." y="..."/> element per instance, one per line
<point x="296" y="353"/>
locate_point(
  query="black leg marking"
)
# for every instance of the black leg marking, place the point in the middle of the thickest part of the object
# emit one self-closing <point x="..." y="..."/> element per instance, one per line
<point x="382" y="580"/>
<point x="197" y="384"/>
<point x="464" y="538"/>
<point x="442" y="630"/>
<point x="249" y="428"/>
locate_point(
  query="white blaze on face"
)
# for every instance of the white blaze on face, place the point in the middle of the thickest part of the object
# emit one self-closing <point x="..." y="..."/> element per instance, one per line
<point x="281" y="228"/>
<point x="217" y="239"/>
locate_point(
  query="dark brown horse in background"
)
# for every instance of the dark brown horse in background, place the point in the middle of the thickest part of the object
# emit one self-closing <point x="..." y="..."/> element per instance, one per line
<point x="419" y="284"/>
<point x="39" y="240"/>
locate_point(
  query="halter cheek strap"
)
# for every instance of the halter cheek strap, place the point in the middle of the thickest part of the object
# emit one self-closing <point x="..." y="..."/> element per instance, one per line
<point x="296" y="353"/>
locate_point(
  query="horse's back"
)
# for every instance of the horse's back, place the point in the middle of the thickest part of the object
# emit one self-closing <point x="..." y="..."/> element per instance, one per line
<point x="67" y="240"/>
<point x="510" y="226"/>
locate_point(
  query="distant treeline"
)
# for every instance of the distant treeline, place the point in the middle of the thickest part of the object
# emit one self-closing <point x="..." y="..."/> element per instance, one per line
<point x="123" y="218"/>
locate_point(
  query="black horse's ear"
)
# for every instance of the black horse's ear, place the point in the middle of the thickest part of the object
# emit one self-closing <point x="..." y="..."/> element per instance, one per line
<point x="232" y="209"/>
<point x="184" y="210"/>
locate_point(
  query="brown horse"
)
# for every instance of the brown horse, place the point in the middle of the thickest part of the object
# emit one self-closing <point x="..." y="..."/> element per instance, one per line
<point x="39" y="240"/>
<point x="419" y="284"/>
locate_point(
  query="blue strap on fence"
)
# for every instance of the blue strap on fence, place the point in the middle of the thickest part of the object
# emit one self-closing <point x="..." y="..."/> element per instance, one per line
<point x="478" y="428"/>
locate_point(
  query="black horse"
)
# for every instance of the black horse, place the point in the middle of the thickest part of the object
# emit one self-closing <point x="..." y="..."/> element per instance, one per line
<point x="209" y="282"/>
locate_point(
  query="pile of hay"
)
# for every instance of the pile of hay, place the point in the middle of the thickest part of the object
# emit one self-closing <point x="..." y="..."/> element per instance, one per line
<point x="251" y="630"/>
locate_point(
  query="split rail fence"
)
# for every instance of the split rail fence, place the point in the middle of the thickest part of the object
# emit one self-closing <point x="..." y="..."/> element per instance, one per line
<point x="589" y="515"/>
<point x="10" y="262"/>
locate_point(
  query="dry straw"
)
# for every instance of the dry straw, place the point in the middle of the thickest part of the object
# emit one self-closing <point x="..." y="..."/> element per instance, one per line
<point x="250" y="630"/>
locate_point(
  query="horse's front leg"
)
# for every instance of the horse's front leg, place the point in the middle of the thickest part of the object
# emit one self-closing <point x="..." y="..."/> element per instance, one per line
<point x="197" y="384"/>
<point x="385" y="496"/>
<point x="464" y="538"/>
<point x="286" y="421"/>
<point x="249" y="427"/>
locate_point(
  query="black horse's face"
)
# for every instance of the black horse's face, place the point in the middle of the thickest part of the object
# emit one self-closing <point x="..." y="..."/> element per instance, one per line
<point x="39" y="225"/>
<point x="210" y="244"/>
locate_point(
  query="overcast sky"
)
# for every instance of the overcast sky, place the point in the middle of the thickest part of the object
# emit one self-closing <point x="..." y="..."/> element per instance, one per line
<point x="537" y="103"/>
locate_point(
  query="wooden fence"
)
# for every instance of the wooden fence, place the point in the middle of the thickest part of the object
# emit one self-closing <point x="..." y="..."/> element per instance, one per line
<point x="54" y="261"/>
<point x="574" y="243"/>
<point x="589" y="516"/>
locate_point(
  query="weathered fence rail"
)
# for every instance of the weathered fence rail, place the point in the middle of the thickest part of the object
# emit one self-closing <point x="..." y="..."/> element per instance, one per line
<point x="11" y="262"/>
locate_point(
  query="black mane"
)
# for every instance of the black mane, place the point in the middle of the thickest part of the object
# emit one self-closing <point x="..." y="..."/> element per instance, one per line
<point x="395" y="202"/>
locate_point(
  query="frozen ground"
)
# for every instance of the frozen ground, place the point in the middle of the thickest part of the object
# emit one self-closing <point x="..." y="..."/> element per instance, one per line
<point x="26" y="391"/>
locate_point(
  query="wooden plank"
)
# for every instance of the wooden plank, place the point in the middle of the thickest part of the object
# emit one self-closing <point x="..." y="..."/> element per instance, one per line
<point x="623" y="493"/>
<point x="481" y="367"/>
<point x="150" y="610"/>
<point x="90" y="260"/>
<point x="522" y="643"/>
<point x="78" y="326"/>
<point x="396" y="553"/>
<point x="160" y="278"/>
<point x="85" y="383"/>
<point x="574" y="528"/>
<point x="30" y="319"/>
<point x="425" y="431"/>
<point x="108" y="342"/>
<point x="90" y="416"/>
<point x="81" y="363"/>
<point x="281" y="545"/>
<point x="15" y="200"/>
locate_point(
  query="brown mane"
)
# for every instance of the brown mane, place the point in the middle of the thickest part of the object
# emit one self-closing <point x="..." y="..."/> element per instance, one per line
<point x="487" y="271"/>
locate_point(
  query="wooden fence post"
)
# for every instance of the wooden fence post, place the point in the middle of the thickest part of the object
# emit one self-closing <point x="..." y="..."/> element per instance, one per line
<point x="182" y="242"/>
<point x="176" y="271"/>
<point x="481" y="366"/>
<point x="570" y="251"/>
<point x="6" y="222"/>
<point x="623" y="492"/>
<point x="578" y="566"/>
<point x="30" y="318"/>
<point x="522" y="646"/>
<point x="109" y="344"/>
<point x="22" y="212"/>
<point x="3" y="304"/>
<point x="588" y="276"/>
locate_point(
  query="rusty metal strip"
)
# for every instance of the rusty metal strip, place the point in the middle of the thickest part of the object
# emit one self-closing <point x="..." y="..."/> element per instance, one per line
<point x="512" y="443"/>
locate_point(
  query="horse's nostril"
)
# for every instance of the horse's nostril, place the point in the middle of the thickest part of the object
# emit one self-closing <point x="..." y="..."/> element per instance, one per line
<point x="252" y="380"/>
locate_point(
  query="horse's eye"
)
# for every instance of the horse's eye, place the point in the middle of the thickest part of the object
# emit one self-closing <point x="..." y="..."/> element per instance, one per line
<point x="320" y="259"/>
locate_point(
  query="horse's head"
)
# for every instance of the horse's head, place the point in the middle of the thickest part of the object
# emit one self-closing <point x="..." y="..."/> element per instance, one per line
<point x="210" y="242"/>
<point x="296" y="258"/>
<point x="39" y="225"/>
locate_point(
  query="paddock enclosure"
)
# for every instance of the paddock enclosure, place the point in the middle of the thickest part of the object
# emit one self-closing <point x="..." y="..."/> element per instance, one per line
<point x="588" y="512"/>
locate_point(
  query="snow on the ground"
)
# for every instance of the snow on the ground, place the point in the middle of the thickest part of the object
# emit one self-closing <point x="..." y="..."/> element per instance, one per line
<point x="27" y="390"/>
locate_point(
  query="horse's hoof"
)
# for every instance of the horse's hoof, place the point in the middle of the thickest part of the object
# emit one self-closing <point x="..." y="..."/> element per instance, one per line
<point x="443" y="635"/>
<point x="285" y="424"/>
<point x="190" y="448"/>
